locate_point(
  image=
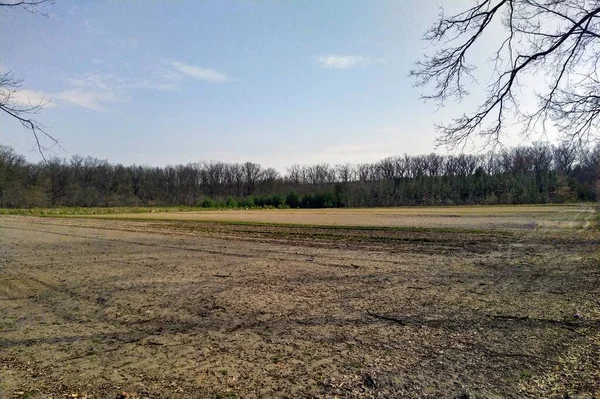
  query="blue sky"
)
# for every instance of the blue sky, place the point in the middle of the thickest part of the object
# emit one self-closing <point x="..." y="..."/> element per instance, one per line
<point x="168" y="82"/>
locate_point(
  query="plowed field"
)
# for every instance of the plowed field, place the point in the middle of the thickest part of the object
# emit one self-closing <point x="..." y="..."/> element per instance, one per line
<point x="498" y="304"/>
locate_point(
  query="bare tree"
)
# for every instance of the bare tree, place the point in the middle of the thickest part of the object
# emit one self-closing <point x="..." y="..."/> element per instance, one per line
<point x="27" y="5"/>
<point x="434" y="164"/>
<point x="564" y="157"/>
<point x="295" y="174"/>
<point x="345" y="172"/>
<point x="387" y="168"/>
<point x="555" y="39"/>
<point x="23" y="111"/>
<point x="252" y="172"/>
<point x="321" y="173"/>
<point x="269" y="178"/>
<point x="10" y="104"/>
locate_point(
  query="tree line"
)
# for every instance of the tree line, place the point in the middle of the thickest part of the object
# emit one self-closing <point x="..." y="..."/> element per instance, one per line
<point x="539" y="173"/>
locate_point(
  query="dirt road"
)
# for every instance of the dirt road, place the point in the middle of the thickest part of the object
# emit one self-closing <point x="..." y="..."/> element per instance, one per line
<point x="111" y="308"/>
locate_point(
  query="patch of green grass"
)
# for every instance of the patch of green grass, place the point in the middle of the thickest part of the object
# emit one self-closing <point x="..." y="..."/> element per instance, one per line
<point x="356" y="365"/>
<point x="525" y="374"/>
<point x="225" y="395"/>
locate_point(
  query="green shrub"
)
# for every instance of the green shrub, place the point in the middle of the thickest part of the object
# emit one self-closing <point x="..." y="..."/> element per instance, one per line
<point x="277" y="200"/>
<point x="248" y="202"/>
<point x="208" y="203"/>
<point x="293" y="200"/>
<point x="231" y="203"/>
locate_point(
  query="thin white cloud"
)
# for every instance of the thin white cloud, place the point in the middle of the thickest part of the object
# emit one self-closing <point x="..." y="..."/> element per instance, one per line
<point x="119" y="86"/>
<point x="96" y="91"/>
<point x="335" y="61"/>
<point x="102" y="82"/>
<point x="86" y="98"/>
<point x="32" y="98"/>
<point x="164" y="78"/>
<point x="209" y="75"/>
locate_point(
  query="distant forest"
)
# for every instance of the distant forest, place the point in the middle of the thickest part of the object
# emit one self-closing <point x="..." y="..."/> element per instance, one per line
<point x="522" y="175"/>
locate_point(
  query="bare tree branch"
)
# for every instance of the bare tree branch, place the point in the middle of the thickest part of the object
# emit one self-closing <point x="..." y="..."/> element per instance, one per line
<point x="21" y="111"/>
<point x="555" y="39"/>
<point x="14" y="107"/>
<point x="32" y="6"/>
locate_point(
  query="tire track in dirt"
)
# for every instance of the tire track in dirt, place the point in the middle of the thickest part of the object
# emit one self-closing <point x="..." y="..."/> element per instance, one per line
<point x="172" y="247"/>
<point x="126" y="342"/>
<point x="360" y="271"/>
<point x="345" y="262"/>
<point x="439" y="242"/>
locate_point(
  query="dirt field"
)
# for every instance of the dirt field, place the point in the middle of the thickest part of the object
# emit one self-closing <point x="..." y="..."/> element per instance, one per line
<point x="493" y="305"/>
<point x="504" y="217"/>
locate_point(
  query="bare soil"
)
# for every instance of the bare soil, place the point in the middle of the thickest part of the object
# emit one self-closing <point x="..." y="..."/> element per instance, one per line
<point x="488" y="217"/>
<point x="180" y="309"/>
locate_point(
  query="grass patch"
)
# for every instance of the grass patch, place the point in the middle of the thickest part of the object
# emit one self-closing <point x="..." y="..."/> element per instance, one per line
<point x="525" y="375"/>
<point x="225" y="395"/>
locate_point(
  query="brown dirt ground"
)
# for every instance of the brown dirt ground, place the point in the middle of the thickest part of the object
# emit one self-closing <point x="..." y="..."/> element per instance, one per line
<point x="178" y="309"/>
<point x="496" y="217"/>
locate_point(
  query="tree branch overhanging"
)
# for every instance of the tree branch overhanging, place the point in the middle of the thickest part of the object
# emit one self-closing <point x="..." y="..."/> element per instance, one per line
<point x="556" y="40"/>
<point x="23" y="111"/>
<point x="32" y="6"/>
<point x="16" y="108"/>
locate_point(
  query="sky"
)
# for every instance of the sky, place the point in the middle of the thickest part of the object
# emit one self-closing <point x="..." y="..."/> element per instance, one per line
<point x="273" y="82"/>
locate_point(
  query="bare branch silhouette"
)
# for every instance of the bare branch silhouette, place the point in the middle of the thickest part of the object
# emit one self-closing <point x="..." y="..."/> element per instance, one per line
<point x="556" y="39"/>
<point x="27" y="5"/>
<point x="11" y="104"/>
<point x="23" y="111"/>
